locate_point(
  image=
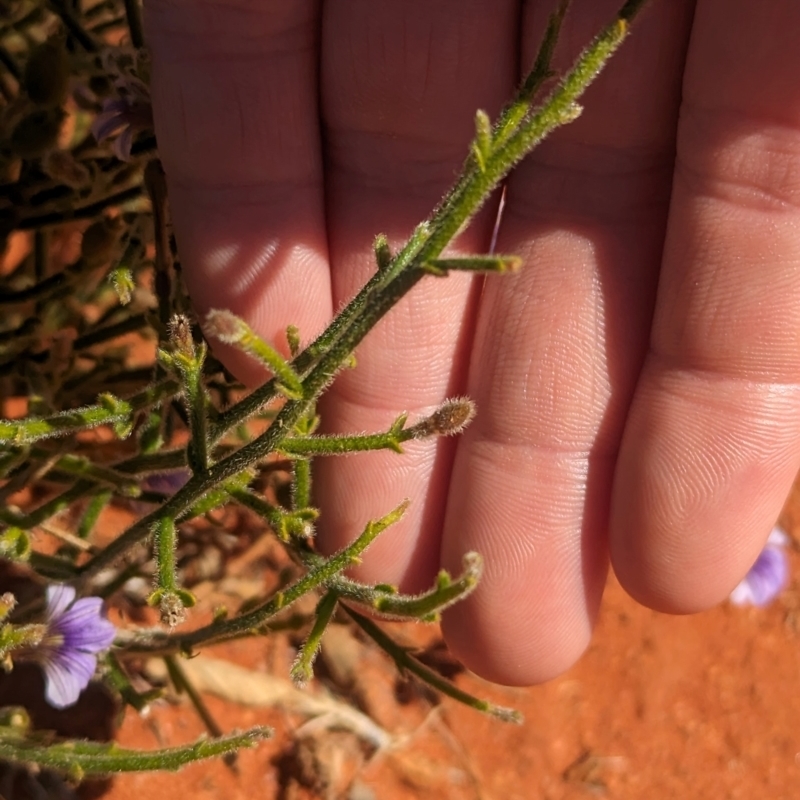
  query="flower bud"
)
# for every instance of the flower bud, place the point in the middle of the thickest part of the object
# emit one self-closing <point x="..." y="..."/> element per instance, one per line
<point x="7" y="604"/>
<point x="448" y="420"/>
<point x="180" y="335"/>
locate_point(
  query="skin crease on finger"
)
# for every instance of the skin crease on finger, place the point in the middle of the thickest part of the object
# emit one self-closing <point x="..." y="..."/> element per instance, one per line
<point x="275" y="211"/>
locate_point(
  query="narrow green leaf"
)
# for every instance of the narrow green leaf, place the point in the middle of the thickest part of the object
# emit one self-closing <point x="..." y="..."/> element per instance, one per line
<point x="303" y="667"/>
<point x="81" y="758"/>
<point x="489" y="263"/>
<point x="405" y="662"/>
<point x="232" y="330"/>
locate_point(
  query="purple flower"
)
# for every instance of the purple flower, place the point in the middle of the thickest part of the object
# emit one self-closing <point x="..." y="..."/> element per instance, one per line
<point x="767" y="577"/>
<point x="76" y="631"/>
<point x="127" y="114"/>
<point x="166" y="482"/>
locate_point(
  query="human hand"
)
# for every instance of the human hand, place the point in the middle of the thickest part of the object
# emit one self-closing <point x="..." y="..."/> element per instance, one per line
<point x="636" y="382"/>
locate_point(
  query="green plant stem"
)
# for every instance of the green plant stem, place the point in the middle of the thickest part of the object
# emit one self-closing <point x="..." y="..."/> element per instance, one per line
<point x="426" y="606"/>
<point x="184" y="686"/>
<point x="355" y="308"/>
<point x="51" y="567"/>
<point x="513" y="114"/>
<point x="199" y="484"/>
<point x="81" y="467"/>
<point x="301" y="483"/>
<point x="11" y="460"/>
<point x="131" y="324"/>
<point x="255" y="619"/>
<point x="457" y="206"/>
<point x="217" y="496"/>
<point x="50" y="218"/>
<point x="48" y="509"/>
<point x="48" y="286"/>
<point x="303" y="667"/>
<point x="79" y="758"/>
<point x="264" y="394"/>
<point x="32" y="429"/>
<point x="287" y="526"/>
<point x="335" y="444"/>
<point x="73" y="25"/>
<point x="232" y="330"/>
<point x="163" y="461"/>
<point x="243" y="410"/>
<point x="405" y="662"/>
<point x="164" y="535"/>
<point x="490" y="263"/>
<point x="92" y="514"/>
<point x="114" y="411"/>
<point x="197" y="404"/>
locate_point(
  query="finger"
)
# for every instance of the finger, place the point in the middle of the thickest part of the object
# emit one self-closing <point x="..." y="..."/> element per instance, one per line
<point x="235" y="103"/>
<point x="401" y="84"/>
<point x="558" y="349"/>
<point x="713" y="440"/>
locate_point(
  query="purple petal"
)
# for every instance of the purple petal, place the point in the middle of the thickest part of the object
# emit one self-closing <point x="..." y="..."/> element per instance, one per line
<point x="67" y="675"/>
<point x="106" y="124"/>
<point x="81" y="665"/>
<point x="133" y="88"/>
<point x="84" y="628"/>
<point x="166" y="482"/>
<point x="138" y="89"/>
<point x="62" y="689"/>
<point x="59" y="597"/>
<point x="123" y="143"/>
<point x="95" y="638"/>
<point x="765" y="580"/>
<point x="115" y="105"/>
<point x="81" y="610"/>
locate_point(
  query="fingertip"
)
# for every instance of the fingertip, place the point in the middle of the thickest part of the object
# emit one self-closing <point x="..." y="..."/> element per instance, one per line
<point x="510" y="648"/>
<point x="672" y="580"/>
<point x="705" y="466"/>
<point x="532" y="614"/>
